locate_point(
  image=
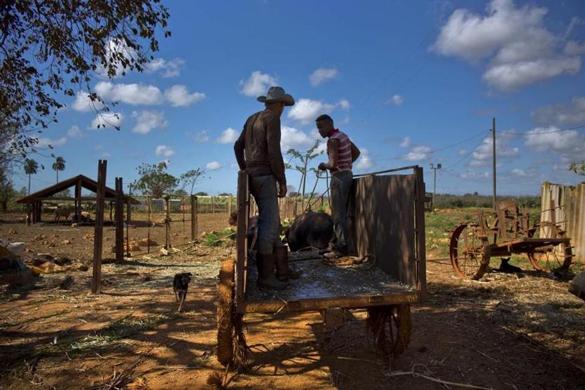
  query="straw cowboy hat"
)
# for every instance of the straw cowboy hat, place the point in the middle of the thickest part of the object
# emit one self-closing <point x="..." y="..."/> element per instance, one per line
<point x="277" y="94"/>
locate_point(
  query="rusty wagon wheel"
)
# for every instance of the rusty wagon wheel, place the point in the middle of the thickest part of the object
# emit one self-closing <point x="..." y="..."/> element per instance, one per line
<point x="469" y="251"/>
<point x="551" y="258"/>
<point x="391" y="326"/>
<point x="225" y="313"/>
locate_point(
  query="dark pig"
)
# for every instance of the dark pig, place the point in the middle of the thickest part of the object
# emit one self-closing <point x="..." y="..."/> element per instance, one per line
<point x="310" y="230"/>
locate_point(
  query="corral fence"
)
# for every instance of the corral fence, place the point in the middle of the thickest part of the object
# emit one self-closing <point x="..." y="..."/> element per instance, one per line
<point x="565" y="206"/>
<point x="175" y="221"/>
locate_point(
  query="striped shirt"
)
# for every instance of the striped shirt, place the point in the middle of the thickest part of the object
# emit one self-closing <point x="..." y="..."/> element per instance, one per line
<point x="344" y="160"/>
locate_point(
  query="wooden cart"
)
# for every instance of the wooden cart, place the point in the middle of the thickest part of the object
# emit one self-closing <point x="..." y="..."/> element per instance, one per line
<point x="387" y="226"/>
<point x="503" y="233"/>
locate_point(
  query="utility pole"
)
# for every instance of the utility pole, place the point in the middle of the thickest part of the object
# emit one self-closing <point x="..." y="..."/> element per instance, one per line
<point x="434" y="168"/>
<point x="494" y="160"/>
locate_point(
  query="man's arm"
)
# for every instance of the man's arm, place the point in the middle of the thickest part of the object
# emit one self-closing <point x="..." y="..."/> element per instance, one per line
<point x="239" y="148"/>
<point x="333" y="153"/>
<point x="273" y="145"/>
<point x="355" y="152"/>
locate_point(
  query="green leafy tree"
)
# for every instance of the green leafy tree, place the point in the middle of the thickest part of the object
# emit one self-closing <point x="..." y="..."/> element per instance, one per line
<point x="189" y="178"/>
<point x="154" y="180"/>
<point x="53" y="48"/>
<point x="6" y="189"/>
<point x="578" y="167"/>
<point x="181" y="192"/>
<point x="302" y="160"/>
<point x="58" y="165"/>
<point x="30" y="168"/>
<point x="202" y="193"/>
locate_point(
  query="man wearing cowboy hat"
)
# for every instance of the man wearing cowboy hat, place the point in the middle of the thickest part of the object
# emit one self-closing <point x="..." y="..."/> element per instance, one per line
<point x="258" y="153"/>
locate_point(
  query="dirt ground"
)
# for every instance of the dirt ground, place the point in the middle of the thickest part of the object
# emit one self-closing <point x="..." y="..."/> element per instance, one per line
<point x="516" y="331"/>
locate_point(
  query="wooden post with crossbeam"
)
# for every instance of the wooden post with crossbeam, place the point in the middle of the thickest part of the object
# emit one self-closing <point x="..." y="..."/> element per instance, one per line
<point x="99" y="227"/>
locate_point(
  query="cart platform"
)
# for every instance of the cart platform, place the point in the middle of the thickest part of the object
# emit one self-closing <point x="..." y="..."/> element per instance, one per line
<point x="324" y="286"/>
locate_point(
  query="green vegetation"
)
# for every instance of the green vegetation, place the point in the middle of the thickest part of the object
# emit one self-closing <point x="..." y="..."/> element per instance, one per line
<point x="117" y="330"/>
<point x="220" y="238"/>
<point x="446" y="201"/>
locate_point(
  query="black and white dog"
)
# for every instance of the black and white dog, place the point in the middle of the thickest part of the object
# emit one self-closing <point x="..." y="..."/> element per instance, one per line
<point x="180" y="286"/>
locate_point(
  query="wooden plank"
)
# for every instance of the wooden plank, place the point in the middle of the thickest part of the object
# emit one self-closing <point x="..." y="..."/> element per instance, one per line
<point x="353" y="302"/>
<point x="99" y="228"/>
<point x="241" y="240"/>
<point x="384" y="220"/>
<point x="78" y="201"/>
<point x="420" y="245"/>
<point x="119" y="220"/>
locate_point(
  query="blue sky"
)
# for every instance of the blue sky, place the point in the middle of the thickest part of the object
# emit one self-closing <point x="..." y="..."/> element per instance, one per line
<point x="410" y="82"/>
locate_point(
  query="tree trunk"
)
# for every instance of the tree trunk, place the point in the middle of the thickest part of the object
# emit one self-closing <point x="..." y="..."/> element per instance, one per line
<point x="29" y="184"/>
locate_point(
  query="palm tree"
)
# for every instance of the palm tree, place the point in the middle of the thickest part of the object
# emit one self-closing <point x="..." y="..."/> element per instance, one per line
<point x="30" y="168"/>
<point x="59" y="165"/>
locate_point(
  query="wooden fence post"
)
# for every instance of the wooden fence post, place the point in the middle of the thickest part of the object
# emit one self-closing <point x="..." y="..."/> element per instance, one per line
<point x="119" y="220"/>
<point x="212" y="205"/>
<point x="193" y="217"/>
<point x="168" y="222"/>
<point x="99" y="228"/>
<point x="229" y="211"/>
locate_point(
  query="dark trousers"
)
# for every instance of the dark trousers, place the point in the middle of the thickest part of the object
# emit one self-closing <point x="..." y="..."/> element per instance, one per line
<point x="263" y="189"/>
<point x="340" y="188"/>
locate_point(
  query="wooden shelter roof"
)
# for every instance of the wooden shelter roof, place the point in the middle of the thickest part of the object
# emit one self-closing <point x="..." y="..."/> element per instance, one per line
<point x="85" y="182"/>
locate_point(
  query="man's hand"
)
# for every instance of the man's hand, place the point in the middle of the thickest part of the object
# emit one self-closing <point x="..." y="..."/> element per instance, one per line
<point x="322" y="166"/>
<point x="281" y="190"/>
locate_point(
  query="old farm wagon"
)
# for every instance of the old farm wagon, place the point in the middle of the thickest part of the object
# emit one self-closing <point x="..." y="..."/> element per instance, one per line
<point x="387" y="214"/>
<point x="505" y="232"/>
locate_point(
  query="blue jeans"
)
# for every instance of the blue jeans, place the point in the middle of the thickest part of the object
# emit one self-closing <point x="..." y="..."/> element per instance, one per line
<point x="340" y="187"/>
<point x="263" y="189"/>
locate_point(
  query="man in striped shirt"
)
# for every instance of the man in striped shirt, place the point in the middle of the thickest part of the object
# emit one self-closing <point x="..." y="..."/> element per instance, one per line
<point x="342" y="153"/>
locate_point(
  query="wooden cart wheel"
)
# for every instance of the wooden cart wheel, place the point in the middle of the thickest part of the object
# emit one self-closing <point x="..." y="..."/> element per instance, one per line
<point x="391" y="326"/>
<point x="551" y="258"/>
<point x="225" y="313"/>
<point x="469" y="252"/>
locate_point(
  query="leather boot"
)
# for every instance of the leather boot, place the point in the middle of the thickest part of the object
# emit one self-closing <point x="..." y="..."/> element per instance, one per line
<point x="266" y="278"/>
<point x="283" y="271"/>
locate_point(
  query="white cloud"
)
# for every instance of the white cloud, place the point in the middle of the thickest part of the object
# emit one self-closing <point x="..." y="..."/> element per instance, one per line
<point x="307" y="110"/>
<point x="114" y="49"/>
<point x="44" y="142"/>
<point x="164" y="150"/>
<point x="134" y="94"/>
<point x="344" y="104"/>
<point x="364" y="161"/>
<point x="321" y="75"/>
<point x="418" y="153"/>
<point x="510" y="76"/>
<point x="213" y="165"/>
<point x="405" y="142"/>
<point x="179" y="96"/>
<point x="74" y="132"/>
<point x="396" y="100"/>
<point x="201" y="137"/>
<point x="483" y="154"/>
<point x="518" y="172"/>
<point x="514" y="40"/>
<point x="292" y="138"/>
<point x="146" y="121"/>
<point x="574" y="48"/>
<point x="474" y="175"/>
<point x="83" y="103"/>
<point x="257" y="84"/>
<point x="568" y="144"/>
<point x="228" y="136"/>
<point x="168" y="68"/>
<point x="107" y="119"/>
<point x="562" y="114"/>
